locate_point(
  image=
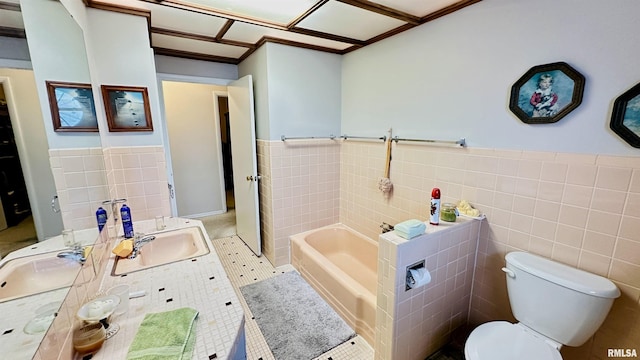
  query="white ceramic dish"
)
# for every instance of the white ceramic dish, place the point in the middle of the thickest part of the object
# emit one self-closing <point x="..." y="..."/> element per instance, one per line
<point x="98" y="309"/>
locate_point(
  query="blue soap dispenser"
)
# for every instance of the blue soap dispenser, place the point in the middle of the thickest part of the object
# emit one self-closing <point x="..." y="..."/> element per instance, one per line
<point x="127" y="223"/>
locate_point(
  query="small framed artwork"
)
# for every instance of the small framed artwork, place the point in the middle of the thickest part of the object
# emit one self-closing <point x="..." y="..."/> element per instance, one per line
<point x="72" y="107"/>
<point x="625" y="118"/>
<point x="546" y="93"/>
<point x="127" y="108"/>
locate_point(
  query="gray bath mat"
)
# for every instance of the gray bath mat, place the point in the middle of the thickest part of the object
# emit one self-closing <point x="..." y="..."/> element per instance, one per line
<point x="295" y="321"/>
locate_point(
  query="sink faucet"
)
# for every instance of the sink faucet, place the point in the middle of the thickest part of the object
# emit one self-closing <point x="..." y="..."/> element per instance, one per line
<point x="138" y="243"/>
<point x="75" y="254"/>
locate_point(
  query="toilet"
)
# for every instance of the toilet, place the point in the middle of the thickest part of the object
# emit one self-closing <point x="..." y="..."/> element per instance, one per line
<point x="554" y="304"/>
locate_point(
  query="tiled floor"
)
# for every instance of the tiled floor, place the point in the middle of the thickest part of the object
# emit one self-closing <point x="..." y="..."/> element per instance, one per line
<point x="18" y="236"/>
<point x="243" y="267"/>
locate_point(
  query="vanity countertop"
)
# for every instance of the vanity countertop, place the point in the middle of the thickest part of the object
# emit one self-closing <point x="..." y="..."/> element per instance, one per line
<point x="200" y="283"/>
<point x="17" y="313"/>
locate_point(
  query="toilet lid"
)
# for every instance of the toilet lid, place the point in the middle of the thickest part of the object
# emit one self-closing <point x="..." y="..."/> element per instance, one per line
<point x="501" y="340"/>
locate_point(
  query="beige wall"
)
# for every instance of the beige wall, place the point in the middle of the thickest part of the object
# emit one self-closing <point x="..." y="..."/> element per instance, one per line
<point x="582" y="210"/>
<point x="196" y="154"/>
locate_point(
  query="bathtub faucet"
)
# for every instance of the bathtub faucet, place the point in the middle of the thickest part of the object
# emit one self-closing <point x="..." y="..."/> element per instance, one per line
<point x="386" y="227"/>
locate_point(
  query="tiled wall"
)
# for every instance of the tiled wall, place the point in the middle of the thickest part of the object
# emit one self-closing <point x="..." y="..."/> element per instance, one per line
<point x="138" y="174"/>
<point x="412" y="324"/>
<point x="86" y="177"/>
<point x="81" y="184"/>
<point x="303" y="181"/>
<point x="266" y="200"/>
<point x="582" y="210"/>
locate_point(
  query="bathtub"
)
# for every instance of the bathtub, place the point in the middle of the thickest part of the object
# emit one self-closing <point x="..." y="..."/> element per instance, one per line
<point x="342" y="265"/>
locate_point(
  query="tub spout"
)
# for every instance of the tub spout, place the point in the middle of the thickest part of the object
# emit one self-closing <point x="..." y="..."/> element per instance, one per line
<point x="386" y="227"/>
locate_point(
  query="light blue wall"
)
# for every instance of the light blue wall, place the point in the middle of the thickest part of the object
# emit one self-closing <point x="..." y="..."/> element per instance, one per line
<point x="198" y="68"/>
<point x="256" y="66"/>
<point x="452" y="77"/>
<point x="297" y="93"/>
<point x="57" y="55"/>
<point x="120" y="54"/>
<point x="304" y="95"/>
<point x="14" y="49"/>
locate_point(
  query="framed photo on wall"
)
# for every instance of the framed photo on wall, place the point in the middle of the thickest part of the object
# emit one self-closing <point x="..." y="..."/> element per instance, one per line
<point x="625" y="117"/>
<point x="546" y="93"/>
<point x="72" y="107"/>
<point x="127" y="108"/>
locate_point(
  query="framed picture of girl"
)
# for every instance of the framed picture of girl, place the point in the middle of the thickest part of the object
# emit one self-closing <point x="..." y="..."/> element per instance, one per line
<point x="546" y="93"/>
<point x="625" y="117"/>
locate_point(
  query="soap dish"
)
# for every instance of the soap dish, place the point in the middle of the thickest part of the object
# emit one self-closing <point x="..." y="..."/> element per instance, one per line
<point x="98" y="309"/>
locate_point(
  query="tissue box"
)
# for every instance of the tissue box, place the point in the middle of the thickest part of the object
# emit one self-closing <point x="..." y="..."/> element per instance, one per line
<point x="410" y="228"/>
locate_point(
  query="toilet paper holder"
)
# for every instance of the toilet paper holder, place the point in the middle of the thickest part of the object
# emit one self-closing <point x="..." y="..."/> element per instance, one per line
<point x="416" y="268"/>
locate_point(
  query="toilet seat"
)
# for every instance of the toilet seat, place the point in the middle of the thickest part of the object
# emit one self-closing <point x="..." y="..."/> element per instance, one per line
<point x="501" y="340"/>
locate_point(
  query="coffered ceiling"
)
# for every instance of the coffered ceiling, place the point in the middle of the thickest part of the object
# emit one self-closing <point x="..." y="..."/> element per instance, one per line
<point x="228" y="31"/>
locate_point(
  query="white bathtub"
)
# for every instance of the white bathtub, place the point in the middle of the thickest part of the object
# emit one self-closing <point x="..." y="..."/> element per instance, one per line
<point x="342" y="265"/>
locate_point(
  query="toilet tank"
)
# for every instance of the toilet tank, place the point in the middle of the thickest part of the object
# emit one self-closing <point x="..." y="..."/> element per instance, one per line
<point x="563" y="303"/>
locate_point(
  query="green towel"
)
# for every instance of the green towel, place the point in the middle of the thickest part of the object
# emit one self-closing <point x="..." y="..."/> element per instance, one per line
<point x="167" y="335"/>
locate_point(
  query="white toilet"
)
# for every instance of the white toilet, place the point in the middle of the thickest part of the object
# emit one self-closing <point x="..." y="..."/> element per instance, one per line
<point x="555" y="305"/>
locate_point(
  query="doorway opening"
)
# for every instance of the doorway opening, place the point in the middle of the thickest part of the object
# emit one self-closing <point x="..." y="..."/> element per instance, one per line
<point x="17" y="228"/>
<point x="225" y="140"/>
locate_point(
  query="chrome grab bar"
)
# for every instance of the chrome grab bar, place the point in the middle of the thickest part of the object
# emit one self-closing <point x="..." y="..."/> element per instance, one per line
<point x="462" y="142"/>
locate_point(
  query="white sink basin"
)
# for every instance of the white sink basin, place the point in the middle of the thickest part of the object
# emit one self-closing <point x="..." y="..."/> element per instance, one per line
<point x="35" y="274"/>
<point x="168" y="246"/>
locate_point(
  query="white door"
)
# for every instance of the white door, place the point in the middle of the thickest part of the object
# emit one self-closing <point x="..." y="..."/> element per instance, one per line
<point x="245" y="168"/>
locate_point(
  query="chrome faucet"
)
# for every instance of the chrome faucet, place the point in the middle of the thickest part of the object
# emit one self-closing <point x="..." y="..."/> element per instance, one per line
<point x="75" y="254"/>
<point x="138" y="243"/>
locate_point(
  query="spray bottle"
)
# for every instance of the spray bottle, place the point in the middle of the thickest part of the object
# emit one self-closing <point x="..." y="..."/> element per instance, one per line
<point x="434" y="218"/>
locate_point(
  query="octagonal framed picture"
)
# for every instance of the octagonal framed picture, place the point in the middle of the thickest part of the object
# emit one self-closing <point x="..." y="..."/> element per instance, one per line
<point x="546" y="93"/>
<point x="625" y="117"/>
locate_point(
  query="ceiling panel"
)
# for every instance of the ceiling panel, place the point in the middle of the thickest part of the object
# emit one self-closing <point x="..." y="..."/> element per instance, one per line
<point x="349" y="21"/>
<point x="190" y="28"/>
<point x="417" y="8"/>
<point x="185" y="21"/>
<point x="253" y="33"/>
<point x="281" y="12"/>
<point x="197" y="46"/>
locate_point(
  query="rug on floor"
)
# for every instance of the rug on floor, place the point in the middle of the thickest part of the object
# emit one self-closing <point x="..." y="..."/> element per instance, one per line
<point x="295" y="321"/>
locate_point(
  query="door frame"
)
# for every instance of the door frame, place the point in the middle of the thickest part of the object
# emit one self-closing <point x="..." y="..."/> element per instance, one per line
<point x="216" y="108"/>
<point x="18" y="134"/>
<point x="161" y="77"/>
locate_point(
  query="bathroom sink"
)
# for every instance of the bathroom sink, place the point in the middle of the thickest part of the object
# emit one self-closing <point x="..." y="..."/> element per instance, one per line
<point x="167" y="247"/>
<point x="36" y="274"/>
